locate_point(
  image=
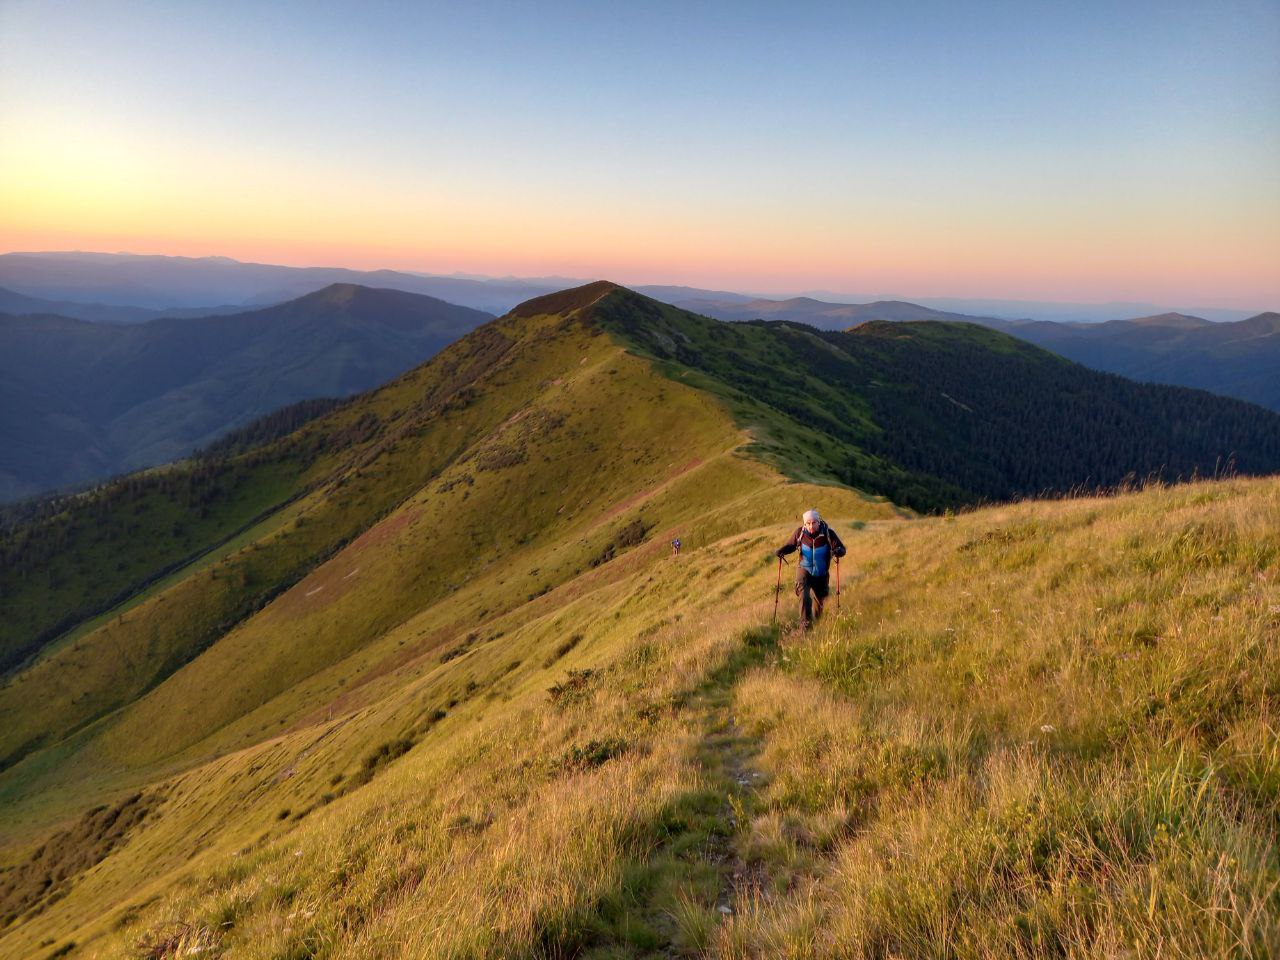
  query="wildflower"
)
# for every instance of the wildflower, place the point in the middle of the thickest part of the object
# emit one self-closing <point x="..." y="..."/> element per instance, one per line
<point x="1046" y="728"/>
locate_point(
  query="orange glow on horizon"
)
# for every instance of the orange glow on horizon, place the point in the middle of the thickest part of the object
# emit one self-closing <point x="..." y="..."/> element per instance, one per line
<point x="268" y="214"/>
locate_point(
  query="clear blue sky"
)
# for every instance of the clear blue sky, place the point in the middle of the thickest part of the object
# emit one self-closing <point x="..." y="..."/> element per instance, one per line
<point x="1078" y="151"/>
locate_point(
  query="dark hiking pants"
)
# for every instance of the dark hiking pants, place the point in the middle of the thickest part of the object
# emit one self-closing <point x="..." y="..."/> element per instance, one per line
<point x="812" y="592"/>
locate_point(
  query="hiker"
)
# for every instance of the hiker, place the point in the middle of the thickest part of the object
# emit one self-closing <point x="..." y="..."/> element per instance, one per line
<point x="817" y="544"/>
<point x="675" y="547"/>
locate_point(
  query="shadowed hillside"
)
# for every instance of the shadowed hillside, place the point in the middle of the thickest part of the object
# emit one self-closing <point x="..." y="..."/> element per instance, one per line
<point x="88" y="400"/>
<point x="1239" y="359"/>
<point x="454" y="697"/>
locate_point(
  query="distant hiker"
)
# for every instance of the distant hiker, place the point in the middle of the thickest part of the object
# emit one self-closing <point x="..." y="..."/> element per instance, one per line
<point x="675" y="547"/>
<point x="817" y="544"/>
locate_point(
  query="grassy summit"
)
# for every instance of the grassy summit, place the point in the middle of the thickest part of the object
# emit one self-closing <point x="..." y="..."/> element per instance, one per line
<point x="476" y="709"/>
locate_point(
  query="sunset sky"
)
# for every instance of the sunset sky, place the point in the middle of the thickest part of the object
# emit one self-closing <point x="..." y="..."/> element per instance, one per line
<point x="1085" y="151"/>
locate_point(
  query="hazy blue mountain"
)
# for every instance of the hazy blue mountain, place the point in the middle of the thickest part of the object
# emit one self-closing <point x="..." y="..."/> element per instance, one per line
<point x="83" y="401"/>
<point x="1240" y="359"/>
<point x="19" y="304"/>
<point x="171" y="284"/>
<point x="1055" y="310"/>
<point x="817" y="313"/>
<point x="677" y="294"/>
<point x="166" y="283"/>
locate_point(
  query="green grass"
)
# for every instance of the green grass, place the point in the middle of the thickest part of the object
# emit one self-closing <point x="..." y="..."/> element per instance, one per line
<point x="112" y="542"/>
<point x="1034" y="741"/>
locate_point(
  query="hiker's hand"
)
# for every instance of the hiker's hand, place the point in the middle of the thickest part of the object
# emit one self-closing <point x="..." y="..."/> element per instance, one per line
<point x="780" y="552"/>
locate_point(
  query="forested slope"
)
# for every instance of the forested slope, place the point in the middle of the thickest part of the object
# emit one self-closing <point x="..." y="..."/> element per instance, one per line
<point x="937" y="414"/>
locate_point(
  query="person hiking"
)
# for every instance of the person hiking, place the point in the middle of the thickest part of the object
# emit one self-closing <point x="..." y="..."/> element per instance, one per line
<point x="675" y="547"/>
<point x="817" y="544"/>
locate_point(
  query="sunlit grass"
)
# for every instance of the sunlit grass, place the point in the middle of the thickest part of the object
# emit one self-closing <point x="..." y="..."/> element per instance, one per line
<point x="1040" y="730"/>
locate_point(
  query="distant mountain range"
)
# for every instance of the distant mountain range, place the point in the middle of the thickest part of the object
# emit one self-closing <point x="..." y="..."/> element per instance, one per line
<point x="166" y="284"/>
<point x="170" y="284"/>
<point x="818" y="313"/>
<point x="18" y="304"/>
<point x="67" y="425"/>
<point x="81" y="401"/>
<point x="1239" y="359"/>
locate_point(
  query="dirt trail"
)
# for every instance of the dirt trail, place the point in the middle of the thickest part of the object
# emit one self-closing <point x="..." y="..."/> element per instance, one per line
<point x="726" y="756"/>
<point x="730" y="751"/>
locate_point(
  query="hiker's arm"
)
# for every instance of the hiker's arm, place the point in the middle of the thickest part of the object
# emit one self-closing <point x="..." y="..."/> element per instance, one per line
<point x="789" y="546"/>
<point x="837" y="545"/>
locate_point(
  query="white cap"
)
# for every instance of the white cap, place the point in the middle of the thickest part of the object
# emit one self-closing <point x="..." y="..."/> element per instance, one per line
<point x="811" y="515"/>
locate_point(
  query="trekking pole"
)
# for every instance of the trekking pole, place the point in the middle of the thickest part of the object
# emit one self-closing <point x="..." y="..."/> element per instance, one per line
<point x="777" y="588"/>
<point x="837" y="583"/>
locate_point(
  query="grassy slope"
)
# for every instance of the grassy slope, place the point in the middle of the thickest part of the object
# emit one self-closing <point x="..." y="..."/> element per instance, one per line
<point x="91" y="554"/>
<point x="1035" y="726"/>
<point x="1046" y="729"/>
<point x="357" y="464"/>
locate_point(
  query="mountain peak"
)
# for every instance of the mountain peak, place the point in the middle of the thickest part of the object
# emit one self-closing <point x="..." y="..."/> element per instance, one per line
<point x="336" y="293"/>
<point x="359" y="296"/>
<point x="1182" y="321"/>
<point x="575" y="298"/>
<point x="1261" y="325"/>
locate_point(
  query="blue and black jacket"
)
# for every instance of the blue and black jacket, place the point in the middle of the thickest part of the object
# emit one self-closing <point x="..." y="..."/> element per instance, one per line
<point x="816" y="551"/>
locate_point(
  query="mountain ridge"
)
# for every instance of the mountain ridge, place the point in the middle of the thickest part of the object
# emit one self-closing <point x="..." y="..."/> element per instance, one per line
<point x="890" y="444"/>
<point x="1170" y="348"/>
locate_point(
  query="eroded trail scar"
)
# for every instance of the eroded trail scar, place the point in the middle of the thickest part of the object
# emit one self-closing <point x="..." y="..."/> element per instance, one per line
<point x="726" y="755"/>
<point x="727" y="760"/>
<point x="680" y="897"/>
